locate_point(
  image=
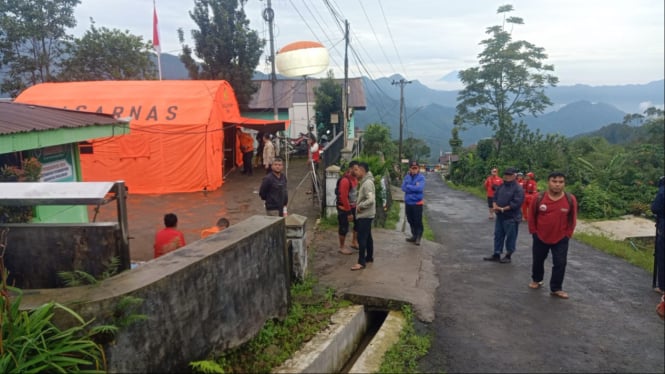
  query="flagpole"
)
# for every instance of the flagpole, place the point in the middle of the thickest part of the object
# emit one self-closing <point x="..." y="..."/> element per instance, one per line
<point x="155" y="38"/>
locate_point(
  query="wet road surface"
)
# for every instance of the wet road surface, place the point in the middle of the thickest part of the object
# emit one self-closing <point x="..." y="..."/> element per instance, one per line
<point x="488" y="320"/>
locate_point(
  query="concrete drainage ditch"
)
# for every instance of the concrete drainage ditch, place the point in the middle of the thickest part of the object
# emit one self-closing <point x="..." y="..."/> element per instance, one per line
<point x="355" y="342"/>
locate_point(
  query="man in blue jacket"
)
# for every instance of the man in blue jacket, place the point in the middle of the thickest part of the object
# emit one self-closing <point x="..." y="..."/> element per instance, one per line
<point x="507" y="204"/>
<point x="413" y="187"/>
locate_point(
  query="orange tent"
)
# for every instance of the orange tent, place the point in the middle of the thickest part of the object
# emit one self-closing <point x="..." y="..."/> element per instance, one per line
<point x="177" y="130"/>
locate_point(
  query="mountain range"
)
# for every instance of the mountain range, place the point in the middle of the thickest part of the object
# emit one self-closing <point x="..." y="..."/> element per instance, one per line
<point x="429" y="113"/>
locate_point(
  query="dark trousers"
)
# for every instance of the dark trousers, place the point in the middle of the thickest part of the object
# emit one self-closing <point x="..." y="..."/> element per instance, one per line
<point x="247" y="162"/>
<point x="414" y="215"/>
<point x="365" y="241"/>
<point x="660" y="255"/>
<point x="540" y="251"/>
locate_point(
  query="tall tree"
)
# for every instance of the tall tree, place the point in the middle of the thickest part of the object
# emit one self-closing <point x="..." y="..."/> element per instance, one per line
<point x="377" y="141"/>
<point x="225" y="44"/>
<point x="416" y="149"/>
<point x="104" y="54"/>
<point x="31" y="41"/>
<point x="328" y="101"/>
<point x="509" y="82"/>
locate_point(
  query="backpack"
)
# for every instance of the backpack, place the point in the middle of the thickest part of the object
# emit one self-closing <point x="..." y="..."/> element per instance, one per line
<point x="571" y="207"/>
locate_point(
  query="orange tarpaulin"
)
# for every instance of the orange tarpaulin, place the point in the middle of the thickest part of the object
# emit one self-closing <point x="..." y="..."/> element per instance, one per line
<point x="176" y="140"/>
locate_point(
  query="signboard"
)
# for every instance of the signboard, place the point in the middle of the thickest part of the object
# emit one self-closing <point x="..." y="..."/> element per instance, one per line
<point x="57" y="163"/>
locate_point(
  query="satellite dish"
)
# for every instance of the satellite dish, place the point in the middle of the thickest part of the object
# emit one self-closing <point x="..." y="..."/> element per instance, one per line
<point x="302" y="58"/>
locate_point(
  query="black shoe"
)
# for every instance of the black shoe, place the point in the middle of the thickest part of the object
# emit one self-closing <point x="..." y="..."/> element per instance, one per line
<point x="417" y="241"/>
<point x="505" y="259"/>
<point x="411" y="239"/>
<point x="494" y="258"/>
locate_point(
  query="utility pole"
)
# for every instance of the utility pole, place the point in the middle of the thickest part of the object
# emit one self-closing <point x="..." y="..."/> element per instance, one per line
<point x="401" y="83"/>
<point x="345" y="89"/>
<point x="269" y="16"/>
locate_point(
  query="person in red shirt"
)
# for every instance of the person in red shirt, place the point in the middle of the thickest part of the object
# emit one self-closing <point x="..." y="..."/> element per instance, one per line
<point x="530" y="191"/>
<point x="169" y="238"/>
<point x="347" y="193"/>
<point x="552" y="223"/>
<point x="491" y="183"/>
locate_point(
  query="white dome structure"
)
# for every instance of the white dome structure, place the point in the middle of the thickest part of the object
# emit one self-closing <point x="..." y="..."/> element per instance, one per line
<point x="302" y="58"/>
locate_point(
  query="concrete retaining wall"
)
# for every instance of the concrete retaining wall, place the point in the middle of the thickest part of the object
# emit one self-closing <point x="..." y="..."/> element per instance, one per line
<point x="212" y="294"/>
<point x="60" y="247"/>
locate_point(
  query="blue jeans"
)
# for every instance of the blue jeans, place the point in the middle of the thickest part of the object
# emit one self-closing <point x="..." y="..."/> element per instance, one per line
<point x="505" y="230"/>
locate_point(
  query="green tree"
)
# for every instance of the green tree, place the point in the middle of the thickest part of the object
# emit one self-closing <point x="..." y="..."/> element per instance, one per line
<point x="455" y="142"/>
<point x="328" y="101"/>
<point x="228" y="48"/>
<point x="416" y="149"/>
<point x="377" y="141"/>
<point x="31" y="40"/>
<point x="509" y="82"/>
<point x="103" y="54"/>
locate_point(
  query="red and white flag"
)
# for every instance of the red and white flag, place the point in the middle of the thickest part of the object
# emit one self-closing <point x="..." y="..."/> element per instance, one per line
<point x="155" y="30"/>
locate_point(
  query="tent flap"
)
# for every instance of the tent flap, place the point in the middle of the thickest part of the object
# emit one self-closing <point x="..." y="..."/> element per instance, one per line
<point x="259" y="125"/>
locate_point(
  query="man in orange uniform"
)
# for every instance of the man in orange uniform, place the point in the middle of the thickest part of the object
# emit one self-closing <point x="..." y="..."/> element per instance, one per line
<point x="222" y="224"/>
<point x="530" y="191"/>
<point x="491" y="183"/>
<point x="169" y="238"/>
<point x="246" y="143"/>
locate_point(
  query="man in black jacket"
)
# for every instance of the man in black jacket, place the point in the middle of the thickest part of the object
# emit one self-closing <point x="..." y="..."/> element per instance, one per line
<point x="273" y="190"/>
<point x="507" y="202"/>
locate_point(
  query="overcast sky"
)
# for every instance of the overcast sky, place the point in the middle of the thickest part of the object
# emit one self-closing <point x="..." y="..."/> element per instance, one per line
<point x="595" y="42"/>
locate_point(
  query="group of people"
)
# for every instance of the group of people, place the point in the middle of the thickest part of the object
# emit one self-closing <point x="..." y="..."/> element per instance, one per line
<point x="356" y="202"/>
<point x="170" y="238"/>
<point x="529" y="185"/>
<point x="551" y="216"/>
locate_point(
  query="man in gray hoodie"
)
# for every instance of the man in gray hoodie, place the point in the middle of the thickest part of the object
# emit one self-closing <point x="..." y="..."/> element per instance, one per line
<point x="365" y="212"/>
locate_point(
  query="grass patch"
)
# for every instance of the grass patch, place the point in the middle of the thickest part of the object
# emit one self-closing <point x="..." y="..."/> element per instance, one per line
<point x="638" y="256"/>
<point x="478" y="191"/>
<point x="310" y="313"/>
<point x="392" y="216"/>
<point x="403" y="356"/>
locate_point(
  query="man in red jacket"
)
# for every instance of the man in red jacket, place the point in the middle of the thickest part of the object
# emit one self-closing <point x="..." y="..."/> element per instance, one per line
<point x="491" y="183"/>
<point x="552" y="223"/>
<point x="347" y="193"/>
<point x="530" y="192"/>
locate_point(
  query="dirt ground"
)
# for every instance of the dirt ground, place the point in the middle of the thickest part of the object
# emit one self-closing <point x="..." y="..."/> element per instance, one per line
<point x="236" y="200"/>
<point x="625" y="227"/>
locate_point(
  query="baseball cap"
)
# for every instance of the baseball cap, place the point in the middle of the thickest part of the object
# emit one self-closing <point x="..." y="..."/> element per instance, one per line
<point x="413" y="163"/>
<point x="510" y="171"/>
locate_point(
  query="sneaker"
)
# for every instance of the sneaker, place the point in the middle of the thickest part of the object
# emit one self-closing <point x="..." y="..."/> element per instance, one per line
<point x="505" y="259"/>
<point x="411" y="239"/>
<point x="494" y="258"/>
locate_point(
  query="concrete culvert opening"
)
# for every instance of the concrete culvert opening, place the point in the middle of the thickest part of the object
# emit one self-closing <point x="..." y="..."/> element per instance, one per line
<point x="355" y="342"/>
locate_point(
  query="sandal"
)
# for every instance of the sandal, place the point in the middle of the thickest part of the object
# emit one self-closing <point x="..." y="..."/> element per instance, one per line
<point x="535" y="285"/>
<point x="345" y="252"/>
<point x="560" y="294"/>
<point x="357" y="267"/>
<point x="354" y="247"/>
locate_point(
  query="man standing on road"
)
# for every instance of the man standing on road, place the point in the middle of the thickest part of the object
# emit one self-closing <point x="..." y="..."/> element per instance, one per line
<point x="507" y="204"/>
<point x="552" y="223"/>
<point x="347" y="194"/>
<point x="365" y="212"/>
<point x="413" y="187"/>
<point x="273" y="190"/>
<point x="658" y="208"/>
<point x="246" y="143"/>
<point x="491" y="183"/>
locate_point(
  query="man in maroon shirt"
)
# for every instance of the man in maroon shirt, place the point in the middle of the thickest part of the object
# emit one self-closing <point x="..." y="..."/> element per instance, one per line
<point x="347" y="192"/>
<point x="552" y="224"/>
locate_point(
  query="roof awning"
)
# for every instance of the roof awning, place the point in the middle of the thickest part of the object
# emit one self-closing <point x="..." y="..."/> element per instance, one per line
<point x="260" y="125"/>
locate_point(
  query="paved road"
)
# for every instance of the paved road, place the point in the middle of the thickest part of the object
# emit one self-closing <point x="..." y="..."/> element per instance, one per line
<point x="488" y="320"/>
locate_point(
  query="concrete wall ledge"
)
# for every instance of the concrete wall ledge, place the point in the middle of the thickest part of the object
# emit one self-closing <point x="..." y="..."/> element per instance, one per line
<point x="213" y="294"/>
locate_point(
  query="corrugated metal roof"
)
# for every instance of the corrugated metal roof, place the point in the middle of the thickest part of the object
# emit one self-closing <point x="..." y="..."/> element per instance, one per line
<point x="18" y="118"/>
<point x="289" y="91"/>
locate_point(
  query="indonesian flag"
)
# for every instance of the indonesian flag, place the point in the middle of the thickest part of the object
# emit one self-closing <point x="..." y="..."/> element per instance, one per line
<point x="155" y="31"/>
